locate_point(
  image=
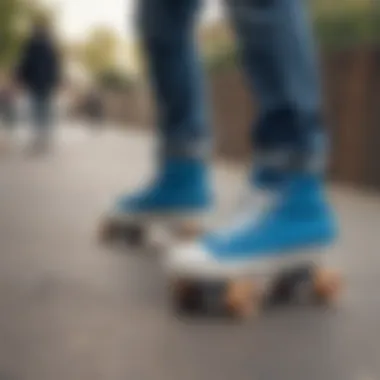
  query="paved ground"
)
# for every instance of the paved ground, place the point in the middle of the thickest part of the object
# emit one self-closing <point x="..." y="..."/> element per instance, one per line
<point x="71" y="309"/>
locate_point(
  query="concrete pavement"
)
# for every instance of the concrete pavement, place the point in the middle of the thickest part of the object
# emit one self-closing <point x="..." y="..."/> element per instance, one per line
<point x="71" y="309"/>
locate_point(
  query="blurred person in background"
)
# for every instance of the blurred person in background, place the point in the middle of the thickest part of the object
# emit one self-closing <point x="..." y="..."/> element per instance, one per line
<point x="276" y="44"/>
<point x="39" y="74"/>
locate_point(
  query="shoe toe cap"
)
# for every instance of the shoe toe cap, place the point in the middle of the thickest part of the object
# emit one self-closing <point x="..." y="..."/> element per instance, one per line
<point x="188" y="257"/>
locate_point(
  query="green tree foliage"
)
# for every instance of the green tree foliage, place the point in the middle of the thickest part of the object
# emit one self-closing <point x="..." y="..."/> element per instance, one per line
<point x="355" y="24"/>
<point x="15" y="19"/>
<point x="339" y="24"/>
<point x="12" y="13"/>
<point x="98" y="52"/>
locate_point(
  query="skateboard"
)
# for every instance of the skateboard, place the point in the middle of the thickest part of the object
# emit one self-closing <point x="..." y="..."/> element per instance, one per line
<point x="240" y="298"/>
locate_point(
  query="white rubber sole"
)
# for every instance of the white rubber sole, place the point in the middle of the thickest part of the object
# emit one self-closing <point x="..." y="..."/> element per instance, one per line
<point x="187" y="263"/>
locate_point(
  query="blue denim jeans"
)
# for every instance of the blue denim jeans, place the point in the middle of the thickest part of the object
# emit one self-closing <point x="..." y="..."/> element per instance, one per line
<point x="276" y="45"/>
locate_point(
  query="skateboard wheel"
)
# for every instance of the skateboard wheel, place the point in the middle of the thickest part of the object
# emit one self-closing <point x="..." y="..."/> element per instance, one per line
<point x="242" y="299"/>
<point x="188" y="231"/>
<point x="186" y="297"/>
<point x="305" y="285"/>
<point x="327" y="286"/>
<point x="231" y="299"/>
<point x="293" y="286"/>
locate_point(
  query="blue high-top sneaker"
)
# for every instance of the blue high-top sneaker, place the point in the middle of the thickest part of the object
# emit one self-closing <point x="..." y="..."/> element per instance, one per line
<point x="181" y="192"/>
<point x="182" y="186"/>
<point x="291" y="226"/>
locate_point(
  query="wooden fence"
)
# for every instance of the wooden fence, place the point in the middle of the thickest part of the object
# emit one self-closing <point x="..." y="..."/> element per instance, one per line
<point x="352" y="102"/>
<point x="351" y="81"/>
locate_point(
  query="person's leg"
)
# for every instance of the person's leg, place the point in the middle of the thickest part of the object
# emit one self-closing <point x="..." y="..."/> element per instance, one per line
<point x="42" y="120"/>
<point x="7" y="120"/>
<point x="279" y="58"/>
<point x="167" y="33"/>
<point x="10" y="121"/>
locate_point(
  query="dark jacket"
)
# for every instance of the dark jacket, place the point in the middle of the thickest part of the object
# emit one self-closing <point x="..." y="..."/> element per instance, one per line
<point x="39" y="69"/>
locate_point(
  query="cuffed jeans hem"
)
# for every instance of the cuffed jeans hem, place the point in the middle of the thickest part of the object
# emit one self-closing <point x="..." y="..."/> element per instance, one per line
<point x="181" y="147"/>
<point x="288" y="161"/>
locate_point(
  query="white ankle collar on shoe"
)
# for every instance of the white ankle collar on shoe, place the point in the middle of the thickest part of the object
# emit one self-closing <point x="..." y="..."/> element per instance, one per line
<point x="250" y="209"/>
